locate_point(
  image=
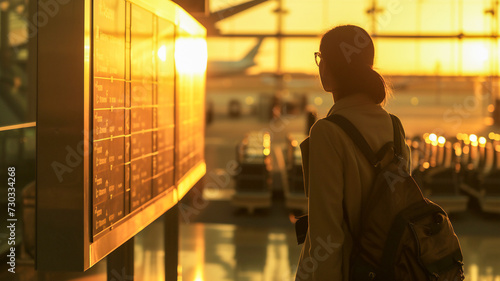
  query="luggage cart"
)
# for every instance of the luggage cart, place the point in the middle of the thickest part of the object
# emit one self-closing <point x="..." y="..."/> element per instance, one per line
<point x="490" y="181"/>
<point x="253" y="182"/>
<point x="437" y="172"/>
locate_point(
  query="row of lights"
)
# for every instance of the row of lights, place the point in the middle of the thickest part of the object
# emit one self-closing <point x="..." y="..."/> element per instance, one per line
<point x="467" y="139"/>
<point x="434" y="139"/>
<point x="472" y="139"/>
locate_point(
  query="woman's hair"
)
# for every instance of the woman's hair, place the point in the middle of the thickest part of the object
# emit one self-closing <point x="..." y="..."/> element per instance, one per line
<point x="348" y="52"/>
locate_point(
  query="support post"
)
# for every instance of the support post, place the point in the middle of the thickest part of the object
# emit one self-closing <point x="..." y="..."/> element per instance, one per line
<point x="120" y="262"/>
<point x="171" y="224"/>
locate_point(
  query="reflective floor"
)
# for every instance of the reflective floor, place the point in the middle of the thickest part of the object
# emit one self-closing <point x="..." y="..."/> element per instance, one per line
<point x="228" y="252"/>
<point x="218" y="252"/>
<point x="236" y="253"/>
<point x="264" y="251"/>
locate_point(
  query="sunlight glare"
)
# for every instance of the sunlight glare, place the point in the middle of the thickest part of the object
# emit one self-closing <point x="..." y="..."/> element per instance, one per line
<point x="162" y="53"/>
<point x="191" y="55"/>
<point x="479" y="53"/>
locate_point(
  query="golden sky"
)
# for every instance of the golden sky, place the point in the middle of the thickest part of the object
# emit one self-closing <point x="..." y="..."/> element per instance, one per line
<point x="393" y="56"/>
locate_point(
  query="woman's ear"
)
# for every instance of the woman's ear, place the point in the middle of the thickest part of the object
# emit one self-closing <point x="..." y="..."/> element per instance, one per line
<point x="326" y="77"/>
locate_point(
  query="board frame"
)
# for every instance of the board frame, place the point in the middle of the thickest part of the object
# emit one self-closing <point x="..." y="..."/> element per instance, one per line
<point x="64" y="238"/>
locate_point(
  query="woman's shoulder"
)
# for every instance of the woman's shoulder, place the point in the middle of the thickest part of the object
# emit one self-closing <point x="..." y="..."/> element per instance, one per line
<point x="324" y="128"/>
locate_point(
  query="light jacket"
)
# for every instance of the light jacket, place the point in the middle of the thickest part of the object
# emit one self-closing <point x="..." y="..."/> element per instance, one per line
<point x="337" y="177"/>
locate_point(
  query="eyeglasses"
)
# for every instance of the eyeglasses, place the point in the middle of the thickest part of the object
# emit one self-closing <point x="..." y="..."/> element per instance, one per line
<point x="317" y="57"/>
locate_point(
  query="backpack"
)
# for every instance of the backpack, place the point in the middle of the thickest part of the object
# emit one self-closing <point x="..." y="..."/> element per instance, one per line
<point x="403" y="235"/>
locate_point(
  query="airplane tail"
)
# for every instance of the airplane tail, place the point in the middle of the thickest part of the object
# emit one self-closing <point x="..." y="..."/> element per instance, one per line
<point x="253" y="52"/>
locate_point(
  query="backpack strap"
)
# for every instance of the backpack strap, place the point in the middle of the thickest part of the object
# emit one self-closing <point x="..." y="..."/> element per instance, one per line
<point x="398" y="134"/>
<point x="365" y="148"/>
<point x="372" y="157"/>
<point x="355" y="136"/>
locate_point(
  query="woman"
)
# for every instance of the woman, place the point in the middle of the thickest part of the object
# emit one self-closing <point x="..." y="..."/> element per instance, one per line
<point x="337" y="176"/>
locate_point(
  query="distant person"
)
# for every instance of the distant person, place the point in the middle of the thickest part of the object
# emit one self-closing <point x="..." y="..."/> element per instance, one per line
<point x="337" y="175"/>
<point x="209" y="113"/>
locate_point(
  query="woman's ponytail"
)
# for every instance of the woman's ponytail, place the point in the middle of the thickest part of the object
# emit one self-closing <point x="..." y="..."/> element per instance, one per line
<point x="375" y="86"/>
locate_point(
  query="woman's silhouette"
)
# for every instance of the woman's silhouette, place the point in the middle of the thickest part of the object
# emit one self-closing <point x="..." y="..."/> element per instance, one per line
<point x="337" y="176"/>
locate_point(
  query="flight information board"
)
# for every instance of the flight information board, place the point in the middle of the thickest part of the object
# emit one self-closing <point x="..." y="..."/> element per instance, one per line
<point x="124" y="141"/>
<point x="133" y="140"/>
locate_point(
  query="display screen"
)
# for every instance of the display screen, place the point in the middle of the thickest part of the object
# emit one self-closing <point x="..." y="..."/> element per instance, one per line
<point x="133" y="110"/>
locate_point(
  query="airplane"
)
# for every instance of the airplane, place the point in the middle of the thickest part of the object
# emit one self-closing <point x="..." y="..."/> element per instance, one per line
<point x="226" y="68"/>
